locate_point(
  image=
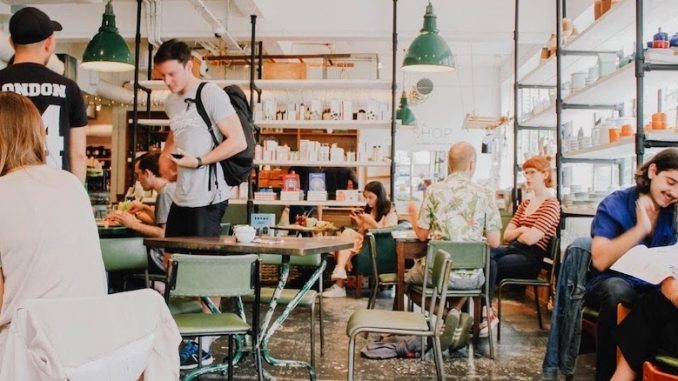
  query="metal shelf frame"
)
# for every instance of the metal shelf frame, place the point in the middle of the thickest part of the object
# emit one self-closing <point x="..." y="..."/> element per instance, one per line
<point x="641" y="67"/>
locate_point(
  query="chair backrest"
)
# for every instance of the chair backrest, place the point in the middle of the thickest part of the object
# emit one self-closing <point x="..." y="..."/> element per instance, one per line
<point x="384" y="244"/>
<point x="124" y="254"/>
<point x="469" y="255"/>
<point x="212" y="275"/>
<point x="442" y="265"/>
<point x="464" y="255"/>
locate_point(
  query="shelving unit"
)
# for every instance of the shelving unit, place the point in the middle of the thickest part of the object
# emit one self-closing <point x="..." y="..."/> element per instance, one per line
<point x="642" y="66"/>
<point x="291" y="131"/>
<point x="617" y="28"/>
<point x="577" y="211"/>
<point x="349" y="128"/>
<point x="288" y="84"/>
<point x="345" y="204"/>
<point x="346" y="164"/>
<point x="621" y="148"/>
<point x="613" y="29"/>
<point x="325" y="124"/>
<point x="621" y="83"/>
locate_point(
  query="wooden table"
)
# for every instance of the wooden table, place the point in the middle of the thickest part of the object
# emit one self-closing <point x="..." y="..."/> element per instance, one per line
<point x="305" y="230"/>
<point x="408" y="246"/>
<point x="284" y="246"/>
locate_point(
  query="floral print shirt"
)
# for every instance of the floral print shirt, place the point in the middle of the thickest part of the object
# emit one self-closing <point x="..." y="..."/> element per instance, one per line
<point x="457" y="209"/>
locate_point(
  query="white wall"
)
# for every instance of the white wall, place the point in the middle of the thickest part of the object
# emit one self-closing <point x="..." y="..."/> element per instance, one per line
<point x="440" y="117"/>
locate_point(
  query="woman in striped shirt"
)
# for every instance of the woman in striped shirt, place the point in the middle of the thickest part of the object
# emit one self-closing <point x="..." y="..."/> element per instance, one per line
<point x="528" y="234"/>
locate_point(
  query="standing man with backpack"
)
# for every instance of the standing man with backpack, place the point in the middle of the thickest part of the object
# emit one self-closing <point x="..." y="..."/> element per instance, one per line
<point x="201" y="194"/>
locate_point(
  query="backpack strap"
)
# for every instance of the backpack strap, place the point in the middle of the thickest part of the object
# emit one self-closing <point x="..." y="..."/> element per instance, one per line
<point x="203" y="113"/>
<point x="200" y="107"/>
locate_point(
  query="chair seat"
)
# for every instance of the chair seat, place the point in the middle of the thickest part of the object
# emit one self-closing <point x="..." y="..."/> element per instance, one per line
<point x="665" y="361"/>
<point x="178" y="305"/>
<point x="378" y="320"/>
<point x="202" y="324"/>
<point x="285" y="297"/>
<point x="388" y="278"/>
<point x="450" y="291"/>
<point x="524" y="282"/>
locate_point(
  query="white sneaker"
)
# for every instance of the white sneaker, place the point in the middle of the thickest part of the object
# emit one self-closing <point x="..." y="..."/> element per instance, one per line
<point x="335" y="292"/>
<point x="338" y="273"/>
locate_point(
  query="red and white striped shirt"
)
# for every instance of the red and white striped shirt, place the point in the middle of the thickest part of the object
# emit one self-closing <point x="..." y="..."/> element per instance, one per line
<point x="545" y="218"/>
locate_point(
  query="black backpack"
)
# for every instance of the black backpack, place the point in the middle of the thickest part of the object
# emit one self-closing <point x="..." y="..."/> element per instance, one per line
<point x="236" y="168"/>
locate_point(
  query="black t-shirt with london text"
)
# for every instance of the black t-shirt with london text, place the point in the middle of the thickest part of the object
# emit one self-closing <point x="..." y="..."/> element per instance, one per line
<point x="57" y="98"/>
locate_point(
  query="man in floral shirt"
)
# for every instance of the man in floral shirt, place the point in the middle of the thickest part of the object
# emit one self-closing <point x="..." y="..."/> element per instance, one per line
<point x="456" y="209"/>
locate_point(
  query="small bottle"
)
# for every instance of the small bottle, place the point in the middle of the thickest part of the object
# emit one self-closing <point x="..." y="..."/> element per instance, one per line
<point x="284" y="217"/>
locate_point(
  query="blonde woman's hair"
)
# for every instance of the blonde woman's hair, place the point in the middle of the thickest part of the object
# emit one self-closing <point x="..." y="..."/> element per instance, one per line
<point x="22" y="133"/>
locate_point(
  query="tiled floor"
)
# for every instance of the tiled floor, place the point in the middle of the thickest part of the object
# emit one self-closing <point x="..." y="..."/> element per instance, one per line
<point x="519" y="355"/>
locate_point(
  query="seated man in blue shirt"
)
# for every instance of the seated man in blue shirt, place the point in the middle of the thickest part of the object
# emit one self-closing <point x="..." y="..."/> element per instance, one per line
<point x="642" y="214"/>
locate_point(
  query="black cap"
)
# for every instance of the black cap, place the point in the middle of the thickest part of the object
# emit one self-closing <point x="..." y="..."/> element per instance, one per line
<point x="29" y="25"/>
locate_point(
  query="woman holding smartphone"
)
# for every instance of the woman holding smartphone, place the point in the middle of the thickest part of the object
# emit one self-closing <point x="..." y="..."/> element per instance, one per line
<point x="378" y="213"/>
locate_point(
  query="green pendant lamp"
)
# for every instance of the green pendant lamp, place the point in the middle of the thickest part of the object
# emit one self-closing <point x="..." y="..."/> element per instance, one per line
<point x="107" y="51"/>
<point x="404" y="114"/>
<point x="429" y="52"/>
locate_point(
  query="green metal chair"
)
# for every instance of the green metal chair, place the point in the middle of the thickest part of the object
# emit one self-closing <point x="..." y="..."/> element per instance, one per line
<point x="381" y="255"/>
<point x="385" y="258"/>
<point x="662" y="367"/>
<point x="405" y="322"/>
<point x="125" y="255"/>
<point x="130" y="255"/>
<point x="549" y="264"/>
<point x="223" y="276"/>
<point x="310" y="299"/>
<point x="465" y="256"/>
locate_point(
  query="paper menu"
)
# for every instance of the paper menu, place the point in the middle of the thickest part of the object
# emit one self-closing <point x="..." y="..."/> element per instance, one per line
<point x="652" y="265"/>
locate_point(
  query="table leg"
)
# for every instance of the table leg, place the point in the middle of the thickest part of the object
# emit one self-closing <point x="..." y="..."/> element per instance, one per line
<point x="399" y="300"/>
<point x="267" y="332"/>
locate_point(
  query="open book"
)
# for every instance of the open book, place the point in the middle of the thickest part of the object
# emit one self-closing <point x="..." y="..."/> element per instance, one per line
<point x="652" y="265"/>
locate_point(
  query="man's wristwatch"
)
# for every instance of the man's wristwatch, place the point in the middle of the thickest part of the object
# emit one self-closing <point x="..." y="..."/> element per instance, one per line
<point x="199" y="162"/>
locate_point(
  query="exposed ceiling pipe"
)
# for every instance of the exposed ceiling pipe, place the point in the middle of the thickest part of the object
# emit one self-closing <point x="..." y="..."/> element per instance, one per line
<point x="217" y="27"/>
<point x="120" y="94"/>
<point x="152" y="24"/>
<point x="157" y="14"/>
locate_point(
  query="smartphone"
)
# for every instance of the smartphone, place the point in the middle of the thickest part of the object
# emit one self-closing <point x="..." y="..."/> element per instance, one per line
<point x="177" y="155"/>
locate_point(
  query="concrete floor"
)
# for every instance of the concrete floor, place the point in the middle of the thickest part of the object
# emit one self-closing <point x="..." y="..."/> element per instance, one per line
<point x="518" y="356"/>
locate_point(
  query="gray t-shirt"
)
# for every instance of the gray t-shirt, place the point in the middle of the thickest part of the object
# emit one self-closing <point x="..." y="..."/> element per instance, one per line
<point x="191" y="135"/>
<point x="163" y="202"/>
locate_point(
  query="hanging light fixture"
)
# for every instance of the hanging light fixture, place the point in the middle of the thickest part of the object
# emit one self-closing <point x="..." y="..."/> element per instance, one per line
<point x="429" y="52"/>
<point x="107" y="51"/>
<point x="404" y="113"/>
